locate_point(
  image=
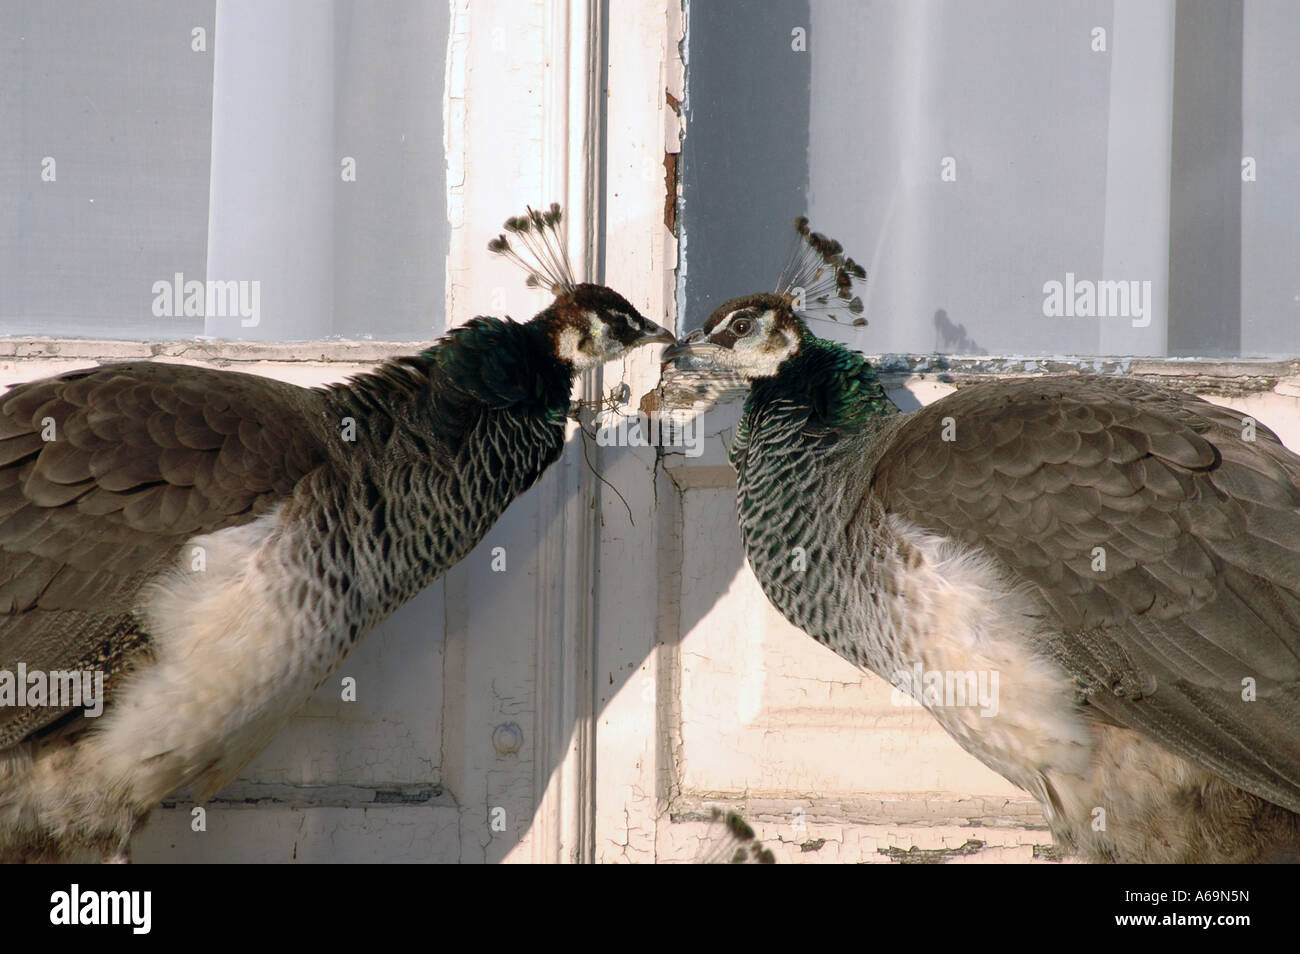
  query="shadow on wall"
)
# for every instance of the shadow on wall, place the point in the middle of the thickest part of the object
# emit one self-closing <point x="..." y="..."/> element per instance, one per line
<point x="951" y="338"/>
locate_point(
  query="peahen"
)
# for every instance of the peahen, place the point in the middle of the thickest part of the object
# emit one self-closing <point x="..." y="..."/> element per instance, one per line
<point x="1122" y="559"/>
<point x="215" y="543"/>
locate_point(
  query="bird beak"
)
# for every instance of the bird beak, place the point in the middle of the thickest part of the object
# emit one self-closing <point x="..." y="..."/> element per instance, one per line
<point x="693" y="344"/>
<point x="654" y="334"/>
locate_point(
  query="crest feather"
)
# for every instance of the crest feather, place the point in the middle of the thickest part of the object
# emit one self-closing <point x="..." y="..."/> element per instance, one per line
<point x="538" y="247"/>
<point x="819" y="279"/>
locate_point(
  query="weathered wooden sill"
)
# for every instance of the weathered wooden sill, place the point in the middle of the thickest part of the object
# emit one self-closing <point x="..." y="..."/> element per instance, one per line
<point x="215" y="350"/>
<point x="1226" y="377"/>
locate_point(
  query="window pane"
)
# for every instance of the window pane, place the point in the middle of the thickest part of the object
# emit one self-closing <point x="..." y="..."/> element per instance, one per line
<point x="248" y="171"/>
<point x="1017" y="177"/>
<point x="1270" y="204"/>
<point x="105" y="122"/>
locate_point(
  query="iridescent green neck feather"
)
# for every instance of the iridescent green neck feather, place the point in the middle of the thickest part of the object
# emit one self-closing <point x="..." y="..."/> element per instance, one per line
<point x="829" y="388"/>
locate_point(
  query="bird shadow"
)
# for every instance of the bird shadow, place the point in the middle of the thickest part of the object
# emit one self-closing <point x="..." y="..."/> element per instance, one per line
<point x="950" y="338"/>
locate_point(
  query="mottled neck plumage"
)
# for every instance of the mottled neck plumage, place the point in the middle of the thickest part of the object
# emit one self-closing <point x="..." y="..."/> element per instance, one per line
<point x="443" y="442"/>
<point x="487" y="361"/>
<point x="836" y="385"/>
<point x="823" y="395"/>
<point x="801" y="434"/>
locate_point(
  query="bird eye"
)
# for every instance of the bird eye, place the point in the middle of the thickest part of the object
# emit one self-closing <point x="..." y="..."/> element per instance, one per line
<point x="740" y="327"/>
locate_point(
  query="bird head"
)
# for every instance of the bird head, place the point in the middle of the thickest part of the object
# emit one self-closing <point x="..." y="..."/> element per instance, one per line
<point x="755" y="334"/>
<point x="592" y="324"/>
<point x="752" y="335"/>
<point x="587" y="324"/>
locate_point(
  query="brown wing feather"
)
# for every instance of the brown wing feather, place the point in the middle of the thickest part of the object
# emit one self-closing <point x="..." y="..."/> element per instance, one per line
<point x="1200" y="529"/>
<point x="142" y="456"/>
